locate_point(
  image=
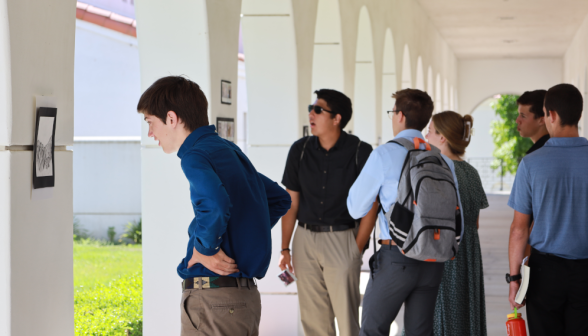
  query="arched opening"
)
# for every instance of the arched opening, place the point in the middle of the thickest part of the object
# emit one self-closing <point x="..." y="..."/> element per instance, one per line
<point x="327" y="59"/>
<point x="364" y="103"/>
<point x="480" y="151"/>
<point x="388" y="85"/>
<point x="438" y="99"/>
<point x="420" y="75"/>
<point x="406" y="69"/>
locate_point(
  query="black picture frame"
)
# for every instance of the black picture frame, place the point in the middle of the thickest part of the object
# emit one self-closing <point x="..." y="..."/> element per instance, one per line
<point x="225" y="127"/>
<point x="226" y="92"/>
<point x="44" y="149"/>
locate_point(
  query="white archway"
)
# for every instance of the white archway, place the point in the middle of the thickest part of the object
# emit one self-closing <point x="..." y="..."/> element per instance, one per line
<point x="451" y="99"/>
<point x="364" y="103"/>
<point x="406" y="69"/>
<point x="438" y="99"/>
<point x="388" y="85"/>
<point x="420" y="75"/>
<point x="327" y="59"/>
<point x="430" y="83"/>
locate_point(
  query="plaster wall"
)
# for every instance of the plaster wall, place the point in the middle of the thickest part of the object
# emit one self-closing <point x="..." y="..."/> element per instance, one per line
<point x="481" y="79"/>
<point x="106" y="184"/>
<point x="575" y="64"/>
<point x="36" y="58"/>
<point x="107" y="82"/>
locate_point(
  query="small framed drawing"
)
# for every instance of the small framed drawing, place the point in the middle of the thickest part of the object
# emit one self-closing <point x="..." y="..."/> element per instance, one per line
<point x="226" y="92"/>
<point x="225" y="128"/>
<point x="44" y="148"/>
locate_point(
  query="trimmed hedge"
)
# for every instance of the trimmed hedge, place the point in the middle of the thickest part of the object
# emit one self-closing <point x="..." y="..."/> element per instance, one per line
<point x="115" y="309"/>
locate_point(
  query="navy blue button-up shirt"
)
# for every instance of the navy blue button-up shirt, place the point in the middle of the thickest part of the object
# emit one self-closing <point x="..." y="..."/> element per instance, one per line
<point x="235" y="207"/>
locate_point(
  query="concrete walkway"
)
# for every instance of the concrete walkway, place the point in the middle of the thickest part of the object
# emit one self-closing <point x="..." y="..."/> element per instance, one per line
<point x="494" y="232"/>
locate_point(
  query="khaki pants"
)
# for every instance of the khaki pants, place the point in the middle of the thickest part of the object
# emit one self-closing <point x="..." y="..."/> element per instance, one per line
<point x="221" y="311"/>
<point x="327" y="265"/>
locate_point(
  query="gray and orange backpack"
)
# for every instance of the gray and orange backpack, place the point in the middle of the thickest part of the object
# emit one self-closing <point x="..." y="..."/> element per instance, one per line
<point x="425" y="222"/>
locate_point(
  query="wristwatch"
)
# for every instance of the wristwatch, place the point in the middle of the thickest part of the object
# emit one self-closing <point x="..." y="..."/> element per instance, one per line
<point x="510" y="278"/>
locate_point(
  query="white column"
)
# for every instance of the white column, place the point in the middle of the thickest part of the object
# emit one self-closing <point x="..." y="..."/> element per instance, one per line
<point x="36" y="236"/>
<point x="273" y="123"/>
<point x="197" y="39"/>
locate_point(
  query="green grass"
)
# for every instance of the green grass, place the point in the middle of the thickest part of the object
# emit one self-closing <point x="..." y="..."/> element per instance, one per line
<point x="95" y="263"/>
<point x="108" y="297"/>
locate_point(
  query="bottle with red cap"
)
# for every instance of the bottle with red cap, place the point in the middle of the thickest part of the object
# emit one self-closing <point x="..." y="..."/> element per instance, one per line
<point x="515" y="325"/>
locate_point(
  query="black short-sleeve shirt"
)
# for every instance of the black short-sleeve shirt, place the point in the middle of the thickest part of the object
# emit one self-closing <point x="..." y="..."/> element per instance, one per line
<point x="323" y="178"/>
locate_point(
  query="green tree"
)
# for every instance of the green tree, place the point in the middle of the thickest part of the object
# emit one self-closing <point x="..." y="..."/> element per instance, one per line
<point x="510" y="147"/>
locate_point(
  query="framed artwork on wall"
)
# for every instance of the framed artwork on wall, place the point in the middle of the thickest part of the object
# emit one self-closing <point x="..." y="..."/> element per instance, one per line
<point x="44" y="148"/>
<point x="226" y="92"/>
<point x="225" y="127"/>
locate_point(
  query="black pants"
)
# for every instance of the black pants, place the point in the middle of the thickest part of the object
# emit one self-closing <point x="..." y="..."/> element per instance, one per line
<point x="557" y="299"/>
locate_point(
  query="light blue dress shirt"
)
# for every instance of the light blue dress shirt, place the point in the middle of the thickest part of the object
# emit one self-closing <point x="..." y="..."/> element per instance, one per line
<point x="380" y="176"/>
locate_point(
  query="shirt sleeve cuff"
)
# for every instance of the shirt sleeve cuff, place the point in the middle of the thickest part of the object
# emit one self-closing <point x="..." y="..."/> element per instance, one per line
<point x="204" y="250"/>
<point x="521" y="209"/>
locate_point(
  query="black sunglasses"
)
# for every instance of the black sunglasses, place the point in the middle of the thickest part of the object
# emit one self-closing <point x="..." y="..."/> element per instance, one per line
<point x="317" y="109"/>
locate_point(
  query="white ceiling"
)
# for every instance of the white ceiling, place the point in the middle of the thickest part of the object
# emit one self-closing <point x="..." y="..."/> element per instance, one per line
<point x="507" y="28"/>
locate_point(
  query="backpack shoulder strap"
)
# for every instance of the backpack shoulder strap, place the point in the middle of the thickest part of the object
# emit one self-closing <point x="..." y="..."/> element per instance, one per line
<point x="409" y="145"/>
<point x="304" y="147"/>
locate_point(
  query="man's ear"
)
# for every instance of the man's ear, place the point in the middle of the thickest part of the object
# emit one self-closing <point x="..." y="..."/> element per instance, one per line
<point x="401" y="117"/>
<point x="552" y="117"/>
<point x="172" y="119"/>
<point x="337" y="119"/>
<point x="541" y="121"/>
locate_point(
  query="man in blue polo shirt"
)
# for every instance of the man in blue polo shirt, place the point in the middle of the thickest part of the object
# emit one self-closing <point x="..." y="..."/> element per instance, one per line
<point x="551" y="185"/>
<point x="235" y="208"/>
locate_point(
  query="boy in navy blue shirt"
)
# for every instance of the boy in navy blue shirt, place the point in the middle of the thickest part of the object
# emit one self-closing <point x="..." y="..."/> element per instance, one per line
<point x="235" y="208"/>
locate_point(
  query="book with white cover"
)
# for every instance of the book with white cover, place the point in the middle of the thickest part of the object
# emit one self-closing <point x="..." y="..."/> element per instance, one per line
<point x="525" y="273"/>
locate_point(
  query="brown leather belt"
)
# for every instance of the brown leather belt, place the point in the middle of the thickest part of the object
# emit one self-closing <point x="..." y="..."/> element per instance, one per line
<point x="217" y="282"/>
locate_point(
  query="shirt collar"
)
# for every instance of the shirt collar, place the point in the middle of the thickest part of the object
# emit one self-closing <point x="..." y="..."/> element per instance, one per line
<point x="194" y="137"/>
<point x="567" y="142"/>
<point x="540" y="143"/>
<point x="339" y="142"/>
<point x="410" y="134"/>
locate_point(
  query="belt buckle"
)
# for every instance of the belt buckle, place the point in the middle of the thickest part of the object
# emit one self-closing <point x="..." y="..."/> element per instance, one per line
<point x="202" y="282"/>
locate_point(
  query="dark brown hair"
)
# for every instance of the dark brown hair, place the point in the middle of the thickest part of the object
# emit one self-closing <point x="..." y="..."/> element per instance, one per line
<point x="416" y="105"/>
<point x="535" y="99"/>
<point x="452" y="126"/>
<point x="177" y="94"/>
<point x="566" y="100"/>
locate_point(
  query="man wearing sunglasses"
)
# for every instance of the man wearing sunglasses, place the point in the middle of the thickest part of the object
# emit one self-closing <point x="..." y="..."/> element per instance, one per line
<point x="328" y="244"/>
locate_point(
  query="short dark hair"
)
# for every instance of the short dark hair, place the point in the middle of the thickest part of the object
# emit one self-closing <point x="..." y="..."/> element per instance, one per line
<point x="416" y="105"/>
<point x="338" y="102"/>
<point x="178" y="94"/>
<point x="535" y="99"/>
<point x="566" y="100"/>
